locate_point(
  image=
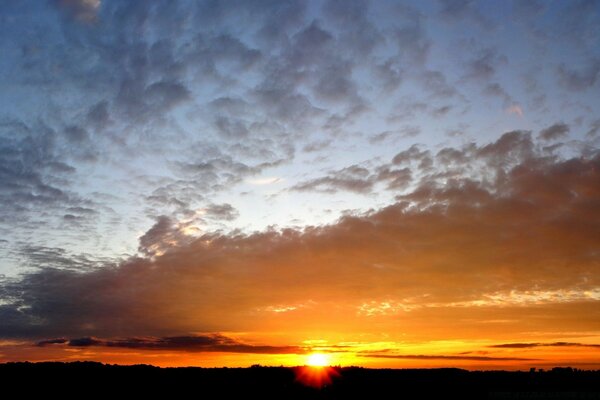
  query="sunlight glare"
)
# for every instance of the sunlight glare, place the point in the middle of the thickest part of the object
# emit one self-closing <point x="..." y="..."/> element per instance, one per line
<point x="317" y="360"/>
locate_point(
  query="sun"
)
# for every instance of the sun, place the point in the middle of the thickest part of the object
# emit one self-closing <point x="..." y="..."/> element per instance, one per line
<point x="317" y="360"/>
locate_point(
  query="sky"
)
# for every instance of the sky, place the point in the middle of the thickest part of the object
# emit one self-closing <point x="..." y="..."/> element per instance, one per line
<point x="228" y="183"/>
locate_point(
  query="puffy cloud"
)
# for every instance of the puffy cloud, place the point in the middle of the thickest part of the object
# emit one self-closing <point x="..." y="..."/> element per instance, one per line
<point x="522" y="227"/>
<point x="555" y="131"/>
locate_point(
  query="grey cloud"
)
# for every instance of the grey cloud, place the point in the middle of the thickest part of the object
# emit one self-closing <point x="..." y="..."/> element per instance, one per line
<point x="496" y="90"/>
<point x="395" y="178"/>
<point x="335" y="84"/>
<point x="197" y="343"/>
<point x="409" y="35"/>
<point x="445" y="357"/>
<point x="580" y="79"/>
<point x="441" y="111"/>
<point x="76" y="134"/>
<point x="484" y="67"/>
<point x="354" y="179"/>
<point x="164" y="95"/>
<point x="288" y="107"/>
<point x="316" y="146"/>
<point x="511" y="147"/>
<point x="448" y="156"/>
<point x="228" y="48"/>
<point x="311" y="45"/>
<point x="404" y="132"/>
<point x="436" y="83"/>
<point x="231" y="128"/>
<point x="27" y="167"/>
<point x="407" y="109"/>
<point x="98" y="115"/>
<point x="225" y="212"/>
<point x="82" y="210"/>
<point x="82" y="10"/>
<point x="594" y="128"/>
<point x="423" y="157"/>
<point x="458" y="11"/>
<point x="555" y="131"/>
<point x="358" y="34"/>
<point x="59" y="258"/>
<point x="162" y="236"/>
<point x="390" y="75"/>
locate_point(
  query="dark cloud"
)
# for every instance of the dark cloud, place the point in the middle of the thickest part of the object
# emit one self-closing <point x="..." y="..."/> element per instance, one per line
<point x="47" y="342"/>
<point x="56" y="257"/>
<point x="554" y="132"/>
<point x="445" y="357"/>
<point x="82" y="342"/>
<point x="165" y="234"/>
<point x="197" y="343"/>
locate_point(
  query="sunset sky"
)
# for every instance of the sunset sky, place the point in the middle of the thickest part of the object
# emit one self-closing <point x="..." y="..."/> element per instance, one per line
<point x="227" y="183"/>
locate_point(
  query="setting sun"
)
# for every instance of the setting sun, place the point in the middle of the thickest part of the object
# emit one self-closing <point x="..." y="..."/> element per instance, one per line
<point x="317" y="360"/>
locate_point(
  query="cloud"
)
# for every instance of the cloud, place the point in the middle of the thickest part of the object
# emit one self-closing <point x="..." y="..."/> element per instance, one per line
<point x="516" y="231"/>
<point x="457" y="11"/>
<point x="224" y="212"/>
<point x="47" y="342"/>
<point x="554" y="132"/>
<point x="484" y="66"/>
<point x="515" y="109"/>
<point x="82" y="10"/>
<point x="165" y="234"/>
<point x="580" y="79"/>
<point x="594" y="128"/>
<point x="444" y="357"/>
<point x="196" y="343"/>
<point x="354" y="179"/>
<point x="532" y="345"/>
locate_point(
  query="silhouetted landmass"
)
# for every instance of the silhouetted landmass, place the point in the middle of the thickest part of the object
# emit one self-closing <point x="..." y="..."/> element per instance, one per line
<point x="84" y="379"/>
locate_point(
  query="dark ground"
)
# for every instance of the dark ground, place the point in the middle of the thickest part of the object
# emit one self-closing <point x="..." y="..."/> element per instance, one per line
<point x="95" y="380"/>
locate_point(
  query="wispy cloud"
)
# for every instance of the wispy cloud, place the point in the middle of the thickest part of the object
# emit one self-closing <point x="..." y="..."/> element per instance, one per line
<point x="196" y="343"/>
